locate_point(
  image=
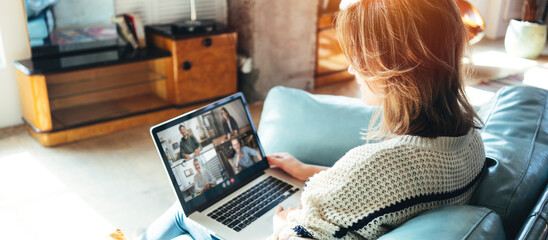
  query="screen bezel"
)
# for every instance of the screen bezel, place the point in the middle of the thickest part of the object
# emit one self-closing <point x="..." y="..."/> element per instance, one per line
<point x="206" y="199"/>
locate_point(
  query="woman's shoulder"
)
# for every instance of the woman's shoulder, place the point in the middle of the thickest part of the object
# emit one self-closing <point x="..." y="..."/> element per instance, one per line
<point x="408" y="159"/>
<point x="439" y="143"/>
<point x="370" y="149"/>
<point x="399" y="146"/>
<point x="365" y="154"/>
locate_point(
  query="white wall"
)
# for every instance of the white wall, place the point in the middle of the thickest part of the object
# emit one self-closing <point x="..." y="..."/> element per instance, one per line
<point x="2" y="55"/>
<point x="16" y="46"/>
<point x="497" y="15"/>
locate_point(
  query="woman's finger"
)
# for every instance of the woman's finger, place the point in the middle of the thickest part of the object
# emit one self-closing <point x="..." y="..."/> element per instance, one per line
<point x="273" y="159"/>
<point x="279" y="209"/>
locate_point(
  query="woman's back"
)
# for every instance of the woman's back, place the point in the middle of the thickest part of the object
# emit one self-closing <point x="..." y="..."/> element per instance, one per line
<point x="406" y="56"/>
<point x="376" y="187"/>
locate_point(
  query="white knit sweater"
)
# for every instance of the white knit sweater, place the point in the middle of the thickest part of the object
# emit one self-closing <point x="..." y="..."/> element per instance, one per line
<point x="377" y="187"/>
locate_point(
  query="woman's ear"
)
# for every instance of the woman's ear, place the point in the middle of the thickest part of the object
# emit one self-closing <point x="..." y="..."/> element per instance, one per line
<point x="371" y="94"/>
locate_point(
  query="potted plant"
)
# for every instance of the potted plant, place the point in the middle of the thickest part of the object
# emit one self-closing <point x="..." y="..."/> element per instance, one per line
<point x="526" y="37"/>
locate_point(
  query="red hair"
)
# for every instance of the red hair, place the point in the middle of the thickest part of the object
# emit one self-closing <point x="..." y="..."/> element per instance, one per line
<point x="409" y="52"/>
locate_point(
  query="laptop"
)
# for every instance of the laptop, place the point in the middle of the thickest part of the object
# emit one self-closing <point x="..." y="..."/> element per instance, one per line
<point x="220" y="173"/>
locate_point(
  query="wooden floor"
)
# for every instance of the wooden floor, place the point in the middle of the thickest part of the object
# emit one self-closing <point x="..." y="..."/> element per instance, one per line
<point x="86" y="189"/>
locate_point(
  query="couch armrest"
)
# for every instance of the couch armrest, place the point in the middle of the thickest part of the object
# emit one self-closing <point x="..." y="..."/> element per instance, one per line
<point x="451" y="222"/>
<point x="536" y="226"/>
<point x="515" y="137"/>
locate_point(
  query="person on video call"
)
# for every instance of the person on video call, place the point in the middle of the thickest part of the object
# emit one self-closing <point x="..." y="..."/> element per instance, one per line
<point x="203" y="180"/>
<point x="243" y="157"/>
<point x="229" y="124"/>
<point x="188" y="145"/>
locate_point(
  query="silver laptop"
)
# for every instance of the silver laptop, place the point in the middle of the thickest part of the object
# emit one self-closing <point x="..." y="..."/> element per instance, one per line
<point x="219" y="170"/>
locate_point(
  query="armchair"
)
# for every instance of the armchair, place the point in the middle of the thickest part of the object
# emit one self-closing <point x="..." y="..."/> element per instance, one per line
<point x="516" y="142"/>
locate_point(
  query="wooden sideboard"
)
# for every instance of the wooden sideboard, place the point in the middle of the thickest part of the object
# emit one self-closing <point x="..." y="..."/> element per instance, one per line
<point x="204" y="67"/>
<point x="74" y="97"/>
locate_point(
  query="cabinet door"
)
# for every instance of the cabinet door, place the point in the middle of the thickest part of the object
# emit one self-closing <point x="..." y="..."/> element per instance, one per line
<point x="205" y="68"/>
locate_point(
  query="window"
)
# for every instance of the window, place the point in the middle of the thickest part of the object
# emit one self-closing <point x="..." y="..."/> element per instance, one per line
<point x="165" y="11"/>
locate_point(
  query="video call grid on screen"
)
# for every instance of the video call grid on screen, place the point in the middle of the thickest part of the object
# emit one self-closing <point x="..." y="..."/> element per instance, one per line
<point x="207" y="156"/>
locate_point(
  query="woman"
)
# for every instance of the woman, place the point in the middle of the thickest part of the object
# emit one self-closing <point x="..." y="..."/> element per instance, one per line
<point x="229" y="124"/>
<point x="406" y="56"/>
<point x="243" y="156"/>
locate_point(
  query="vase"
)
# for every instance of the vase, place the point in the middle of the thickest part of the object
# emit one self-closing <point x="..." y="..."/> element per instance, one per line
<point x="525" y="39"/>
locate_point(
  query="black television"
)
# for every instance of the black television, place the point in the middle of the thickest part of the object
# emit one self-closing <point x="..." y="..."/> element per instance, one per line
<point x="58" y="27"/>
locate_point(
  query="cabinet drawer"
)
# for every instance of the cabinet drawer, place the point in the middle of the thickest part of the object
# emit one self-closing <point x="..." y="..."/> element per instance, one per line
<point x="205" y="69"/>
<point x="226" y="40"/>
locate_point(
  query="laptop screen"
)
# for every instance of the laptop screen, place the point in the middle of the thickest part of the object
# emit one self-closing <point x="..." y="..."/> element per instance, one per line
<point x="210" y="152"/>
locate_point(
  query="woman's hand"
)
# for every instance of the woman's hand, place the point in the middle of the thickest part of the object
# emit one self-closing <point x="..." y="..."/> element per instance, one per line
<point x="280" y="218"/>
<point x="293" y="166"/>
<point x="238" y="158"/>
<point x="281" y="213"/>
<point x="288" y="164"/>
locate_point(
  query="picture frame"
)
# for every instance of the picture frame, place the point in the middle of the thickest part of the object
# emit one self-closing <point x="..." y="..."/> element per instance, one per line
<point x="188" y="172"/>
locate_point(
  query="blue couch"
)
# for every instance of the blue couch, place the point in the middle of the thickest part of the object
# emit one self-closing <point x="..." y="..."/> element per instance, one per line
<point x="510" y="201"/>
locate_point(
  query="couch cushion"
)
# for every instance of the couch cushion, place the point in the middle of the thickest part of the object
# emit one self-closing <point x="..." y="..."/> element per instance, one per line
<point x="317" y="129"/>
<point x="451" y="222"/>
<point x="516" y="144"/>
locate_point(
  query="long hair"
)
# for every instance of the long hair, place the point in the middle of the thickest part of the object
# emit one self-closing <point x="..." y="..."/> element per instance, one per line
<point x="409" y="53"/>
<point x="227" y="114"/>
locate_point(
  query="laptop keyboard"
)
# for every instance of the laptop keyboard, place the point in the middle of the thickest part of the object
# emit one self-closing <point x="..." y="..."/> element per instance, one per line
<point x="241" y="211"/>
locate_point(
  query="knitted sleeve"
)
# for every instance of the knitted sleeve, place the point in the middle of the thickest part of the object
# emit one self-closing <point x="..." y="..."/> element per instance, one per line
<point x="325" y="201"/>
